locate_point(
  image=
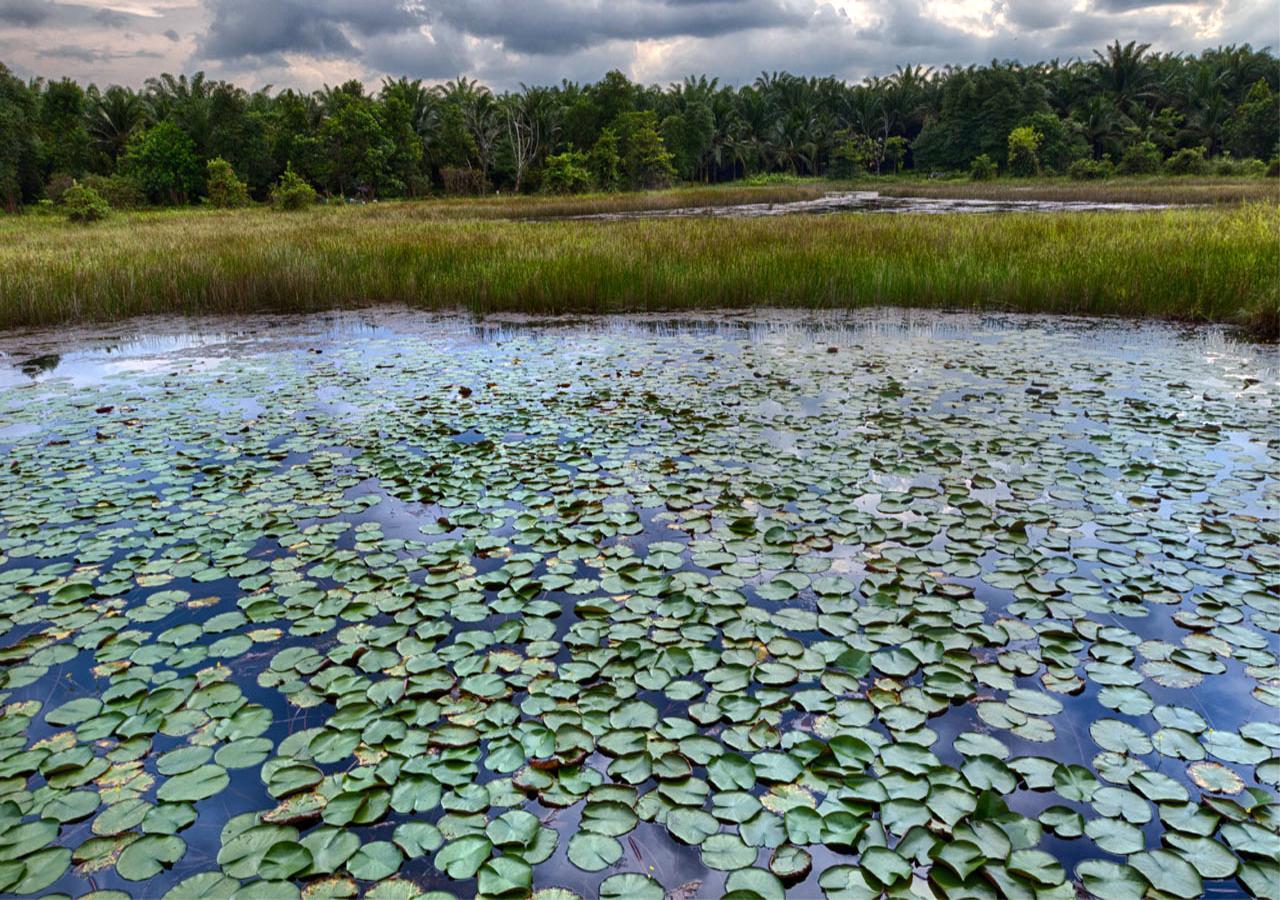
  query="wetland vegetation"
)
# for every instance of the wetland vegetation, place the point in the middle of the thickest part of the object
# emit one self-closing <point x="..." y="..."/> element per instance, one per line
<point x="1213" y="265"/>
<point x="1127" y="125"/>
<point x="841" y="606"/>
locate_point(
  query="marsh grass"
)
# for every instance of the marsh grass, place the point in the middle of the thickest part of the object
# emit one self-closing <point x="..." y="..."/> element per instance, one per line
<point x="541" y="206"/>
<point x="1196" y="265"/>
<point x="1197" y="191"/>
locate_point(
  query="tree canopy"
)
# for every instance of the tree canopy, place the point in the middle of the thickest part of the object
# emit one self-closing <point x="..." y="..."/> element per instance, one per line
<point x="408" y="138"/>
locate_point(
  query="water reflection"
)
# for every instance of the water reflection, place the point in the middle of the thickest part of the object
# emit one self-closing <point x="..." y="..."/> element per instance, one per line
<point x="38" y="365"/>
<point x="874" y="202"/>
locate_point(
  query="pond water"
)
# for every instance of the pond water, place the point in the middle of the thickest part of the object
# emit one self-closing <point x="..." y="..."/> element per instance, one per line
<point x="874" y="202"/>
<point x="763" y="603"/>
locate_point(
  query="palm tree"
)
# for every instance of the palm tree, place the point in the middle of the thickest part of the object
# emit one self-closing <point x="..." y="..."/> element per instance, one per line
<point x="1123" y="73"/>
<point x="423" y="103"/>
<point x="112" y="116"/>
<point x="1100" y="123"/>
<point x="479" y="111"/>
<point x="1208" y="109"/>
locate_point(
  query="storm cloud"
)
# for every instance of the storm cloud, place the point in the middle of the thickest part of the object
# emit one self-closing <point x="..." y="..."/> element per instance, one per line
<point x="240" y="28"/>
<point x="24" y="13"/>
<point x="558" y="26"/>
<point x="505" y="42"/>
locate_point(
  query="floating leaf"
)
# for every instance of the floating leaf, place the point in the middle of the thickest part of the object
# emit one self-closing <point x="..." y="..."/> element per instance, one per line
<point x="593" y="852"/>
<point x="1168" y="872"/>
<point x="149" y="855"/>
<point x="198" y="784"/>
<point x="630" y="886"/>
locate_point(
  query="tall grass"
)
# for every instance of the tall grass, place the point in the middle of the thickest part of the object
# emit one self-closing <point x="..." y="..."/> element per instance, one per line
<point x="1198" y="265"/>
<point x="1156" y="189"/>
<point x="542" y="206"/>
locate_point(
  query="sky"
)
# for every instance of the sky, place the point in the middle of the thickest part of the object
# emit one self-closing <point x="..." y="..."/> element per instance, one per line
<point x="309" y="43"/>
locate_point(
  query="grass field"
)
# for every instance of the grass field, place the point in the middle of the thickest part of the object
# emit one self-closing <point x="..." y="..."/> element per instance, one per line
<point x="1215" y="264"/>
<point x="1116" y="190"/>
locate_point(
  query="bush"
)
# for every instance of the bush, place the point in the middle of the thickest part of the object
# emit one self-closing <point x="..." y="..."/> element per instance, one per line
<point x="84" y="204"/>
<point x="983" y="169"/>
<point x="463" y="182"/>
<point x="1091" y="169"/>
<point x="121" y="191"/>
<point x="567" y="173"/>
<point x="776" y="179"/>
<point x="604" y="162"/>
<point x="853" y="155"/>
<point x="646" y="161"/>
<point x="1228" y="165"/>
<point x="226" y="191"/>
<point x="163" y="159"/>
<point x="1061" y="141"/>
<point x="1023" y="144"/>
<point x="1143" y="158"/>
<point x="1187" y="161"/>
<point x="895" y="152"/>
<point x="1273" y="168"/>
<point x="292" y="191"/>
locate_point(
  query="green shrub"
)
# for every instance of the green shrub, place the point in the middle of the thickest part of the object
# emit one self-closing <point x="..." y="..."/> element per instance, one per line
<point x="1142" y="158"/>
<point x="226" y="191"/>
<point x="1091" y="169"/>
<point x="1187" y="161"/>
<point x="775" y="179"/>
<point x="121" y="191"/>
<point x="895" y="152"/>
<point x="84" y="204"/>
<point x="1230" y="166"/>
<point x="646" y="161"/>
<point x="163" y="159"/>
<point x="1023" y="144"/>
<point x="983" y="169"/>
<point x="604" y="162"/>
<point x="1061" y="141"/>
<point x="853" y="156"/>
<point x="1273" y="168"/>
<point x="292" y="191"/>
<point x="567" y="173"/>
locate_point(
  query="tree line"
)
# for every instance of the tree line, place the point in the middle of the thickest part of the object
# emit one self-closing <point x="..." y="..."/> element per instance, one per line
<point x="180" y="138"/>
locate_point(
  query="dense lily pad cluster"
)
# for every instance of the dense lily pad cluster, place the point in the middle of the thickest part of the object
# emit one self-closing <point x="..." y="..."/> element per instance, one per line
<point x="624" y="611"/>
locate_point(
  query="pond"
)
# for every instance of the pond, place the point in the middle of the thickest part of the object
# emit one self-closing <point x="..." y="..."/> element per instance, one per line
<point x="760" y="603"/>
<point x="875" y="202"/>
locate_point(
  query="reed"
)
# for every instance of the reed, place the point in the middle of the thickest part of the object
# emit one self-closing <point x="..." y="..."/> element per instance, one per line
<point x="1217" y="264"/>
<point x="1181" y="190"/>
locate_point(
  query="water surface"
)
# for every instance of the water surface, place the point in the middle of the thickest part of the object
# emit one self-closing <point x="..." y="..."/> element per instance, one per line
<point x="875" y="202"/>
<point x="975" y="600"/>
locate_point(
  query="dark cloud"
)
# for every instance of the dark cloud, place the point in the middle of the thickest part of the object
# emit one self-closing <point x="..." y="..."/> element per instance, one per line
<point x="333" y="28"/>
<point x="89" y="55"/>
<point x="1033" y="15"/>
<point x="505" y="42"/>
<point x="46" y="13"/>
<point x="1122" y="6"/>
<point x="24" y="13"/>
<point x="264" y="28"/>
<point x="112" y="18"/>
<point x="557" y="26"/>
<point x="417" y="55"/>
<point x="906" y="25"/>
